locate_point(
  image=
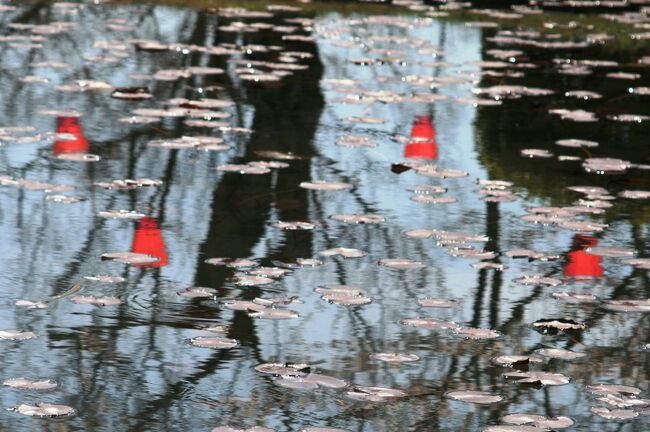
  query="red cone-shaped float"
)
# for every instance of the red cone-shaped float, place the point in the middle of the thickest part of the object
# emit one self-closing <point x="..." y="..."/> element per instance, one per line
<point x="148" y="239"/>
<point x="581" y="263"/>
<point x="77" y="142"/>
<point x="423" y="139"/>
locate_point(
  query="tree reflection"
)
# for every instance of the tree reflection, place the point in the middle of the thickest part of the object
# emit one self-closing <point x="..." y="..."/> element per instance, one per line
<point x="285" y="118"/>
<point x="131" y="361"/>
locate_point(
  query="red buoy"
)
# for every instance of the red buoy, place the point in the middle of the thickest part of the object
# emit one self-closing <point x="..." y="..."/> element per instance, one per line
<point x="148" y="239"/>
<point x="76" y="143"/>
<point x="423" y="139"/>
<point x="581" y="263"/>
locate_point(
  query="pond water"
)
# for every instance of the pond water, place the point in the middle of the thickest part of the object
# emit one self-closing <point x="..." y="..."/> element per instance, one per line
<point x="404" y="115"/>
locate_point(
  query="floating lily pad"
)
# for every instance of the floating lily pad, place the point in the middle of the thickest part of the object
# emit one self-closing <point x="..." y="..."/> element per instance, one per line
<point x="198" y="292"/>
<point x="44" y="410"/>
<point x="16" y="335"/>
<point x="539" y="421"/>
<point x="575" y="297"/>
<point x="30" y="304"/>
<point x="616" y="414"/>
<point x="359" y="219"/>
<point x="344" y="252"/>
<point x="231" y="262"/>
<point x="437" y="302"/>
<point x="132" y="258"/>
<point x="538" y="378"/>
<point x="96" y="301"/>
<point x="475" y="397"/>
<point x="560" y="353"/>
<point x="27" y="384"/>
<point x="401" y="263"/>
<point x="430" y="323"/>
<point x="395" y="357"/>
<point x="516" y="361"/>
<point x="324" y="185"/>
<point x="214" y="342"/>
<point x="558" y="325"/>
<point x="375" y="394"/>
<point x="294" y="226"/>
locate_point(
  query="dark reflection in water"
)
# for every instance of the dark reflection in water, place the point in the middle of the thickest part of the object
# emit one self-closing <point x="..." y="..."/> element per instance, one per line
<point x="131" y="367"/>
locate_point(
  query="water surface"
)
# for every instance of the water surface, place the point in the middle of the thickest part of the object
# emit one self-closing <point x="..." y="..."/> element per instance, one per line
<point x="131" y="367"/>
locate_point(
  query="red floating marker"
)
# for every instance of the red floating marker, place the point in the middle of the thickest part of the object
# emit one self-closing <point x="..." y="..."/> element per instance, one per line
<point x="78" y="142"/>
<point x="581" y="263"/>
<point x="148" y="239"/>
<point x="423" y="139"/>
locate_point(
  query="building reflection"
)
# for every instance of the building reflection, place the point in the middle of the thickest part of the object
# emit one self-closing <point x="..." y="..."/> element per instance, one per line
<point x="74" y="140"/>
<point x="422" y="144"/>
<point x="581" y="263"/>
<point x="148" y="239"/>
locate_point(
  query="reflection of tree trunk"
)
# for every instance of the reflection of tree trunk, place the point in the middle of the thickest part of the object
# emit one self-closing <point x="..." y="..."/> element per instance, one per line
<point x="28" y="14"/>
<point x="492" y="231"/>
<point x="286" y="119"/>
